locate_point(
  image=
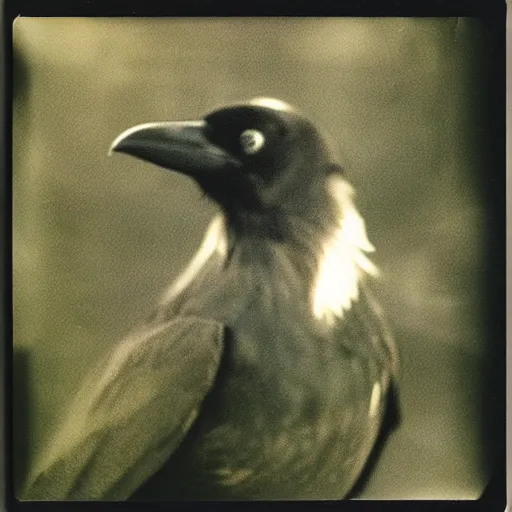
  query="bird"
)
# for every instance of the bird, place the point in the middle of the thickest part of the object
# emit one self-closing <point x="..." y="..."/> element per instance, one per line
<point x="267" y="368"/>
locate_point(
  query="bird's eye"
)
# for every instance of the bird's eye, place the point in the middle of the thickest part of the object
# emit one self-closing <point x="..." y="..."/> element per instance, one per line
<point x="251" y="141"/>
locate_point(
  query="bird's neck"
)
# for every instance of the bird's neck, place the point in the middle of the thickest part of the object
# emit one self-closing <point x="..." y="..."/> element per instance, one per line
<point x="319" y="259"/>
<point x="321" y="253"/>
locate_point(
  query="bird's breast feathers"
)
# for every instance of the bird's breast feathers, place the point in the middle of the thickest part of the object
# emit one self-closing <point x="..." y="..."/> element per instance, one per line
<point x="297" y="310"/>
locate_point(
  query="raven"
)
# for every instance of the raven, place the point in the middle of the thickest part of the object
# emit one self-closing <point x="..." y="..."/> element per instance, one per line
<point x="265" y="372"/>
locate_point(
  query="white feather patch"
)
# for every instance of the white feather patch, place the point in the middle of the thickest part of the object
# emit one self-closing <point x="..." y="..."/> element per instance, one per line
<point x="215" y="240"/>
<point x="271" y="103"/>
<point x="344" y="260"/>
<point x="375" y="400"/>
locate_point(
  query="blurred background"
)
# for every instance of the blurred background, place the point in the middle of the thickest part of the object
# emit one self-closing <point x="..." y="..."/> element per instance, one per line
<point x="96" y="239"/>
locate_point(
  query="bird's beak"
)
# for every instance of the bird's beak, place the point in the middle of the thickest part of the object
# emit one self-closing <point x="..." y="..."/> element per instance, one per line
<point x="181" y="146"/>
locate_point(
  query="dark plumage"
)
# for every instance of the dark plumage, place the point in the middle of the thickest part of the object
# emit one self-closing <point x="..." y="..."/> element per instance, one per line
<point x="264" y="372"/>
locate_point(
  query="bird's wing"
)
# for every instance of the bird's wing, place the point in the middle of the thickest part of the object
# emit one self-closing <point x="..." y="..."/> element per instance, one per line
<point x="131" y="413"/>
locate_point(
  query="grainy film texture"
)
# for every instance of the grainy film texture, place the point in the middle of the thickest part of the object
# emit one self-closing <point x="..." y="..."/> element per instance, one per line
<point x="97" y="239"/>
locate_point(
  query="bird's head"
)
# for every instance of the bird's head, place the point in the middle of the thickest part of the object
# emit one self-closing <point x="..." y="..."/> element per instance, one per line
<point x="274" y="176"/>
<point x="261" y="156"/>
